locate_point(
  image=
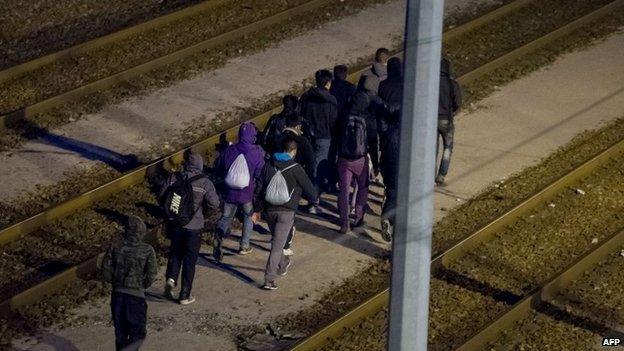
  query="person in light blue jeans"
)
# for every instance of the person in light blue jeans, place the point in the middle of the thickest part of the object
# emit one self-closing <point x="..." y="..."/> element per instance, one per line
<point x="229" y="211"/>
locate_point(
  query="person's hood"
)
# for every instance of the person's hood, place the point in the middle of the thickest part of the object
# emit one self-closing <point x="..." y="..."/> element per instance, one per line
<point x="445" y="67"/>
<point x="247" y="134"/>
<point x="394" y="68"/>
<point x="194" y="162"/>
<point x="367" y="84"/>
<point x="380" y="70"/>
<point x="135" y="229"/>
<point x="359" y="103"/>
<point x="319" y="95"/>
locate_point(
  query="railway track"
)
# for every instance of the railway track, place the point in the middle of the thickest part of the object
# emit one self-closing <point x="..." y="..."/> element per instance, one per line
<point x="79" y="71"/>
<point x="46" y="218"/>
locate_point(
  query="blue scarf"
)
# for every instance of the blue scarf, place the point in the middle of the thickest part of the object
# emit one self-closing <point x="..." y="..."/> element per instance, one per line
<point x="282" y="156"/>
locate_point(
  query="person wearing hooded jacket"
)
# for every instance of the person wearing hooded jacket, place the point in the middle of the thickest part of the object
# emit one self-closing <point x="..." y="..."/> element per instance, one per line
<point x="320" y="109"/>
<point x="281" y="217"/>
<point x="449" y="104"/>
<point x="378" y="72"/>
<point x="350" y="168"/>
<point x="240" y="198"/>
<point x="186" y="240"/>
<point x="391" y="92"/>
<point x="130" y="266"/>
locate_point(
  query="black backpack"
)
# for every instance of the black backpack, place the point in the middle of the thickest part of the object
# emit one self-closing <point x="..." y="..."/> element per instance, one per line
<point x="178" y="201"/>
<point x="353" y="141"/>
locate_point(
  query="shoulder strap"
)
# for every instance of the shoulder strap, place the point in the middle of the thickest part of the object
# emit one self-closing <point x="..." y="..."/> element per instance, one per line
<point x="289" y="167"/>
<point x="197" y="177"/>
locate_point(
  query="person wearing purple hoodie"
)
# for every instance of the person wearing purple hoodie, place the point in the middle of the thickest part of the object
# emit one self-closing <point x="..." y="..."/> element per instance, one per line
<point x="239" y="198"/>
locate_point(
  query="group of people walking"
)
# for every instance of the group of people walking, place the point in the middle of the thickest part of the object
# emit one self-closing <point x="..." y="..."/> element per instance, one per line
<point x="336" y="138"/>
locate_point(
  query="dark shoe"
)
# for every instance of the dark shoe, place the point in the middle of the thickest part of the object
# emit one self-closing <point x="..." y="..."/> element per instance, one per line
<point x="282" y="272"/>
<point x="439" y="180"/>
<point x="269" y="286"/>
<point x="217" y="252"/>
<point x="169" y="285"/>
<point x="358" y="223"/>
<point x="386" y="230"/>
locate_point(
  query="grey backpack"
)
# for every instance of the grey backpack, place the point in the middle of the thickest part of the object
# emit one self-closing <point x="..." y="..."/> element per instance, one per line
<point x="277" y="193"/>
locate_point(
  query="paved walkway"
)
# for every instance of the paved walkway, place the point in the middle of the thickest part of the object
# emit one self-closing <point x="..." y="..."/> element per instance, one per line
<point x="519" y="125"/>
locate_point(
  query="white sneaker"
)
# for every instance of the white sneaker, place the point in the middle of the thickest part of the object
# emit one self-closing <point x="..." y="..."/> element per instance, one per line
<point x="169" y="285"/>
<point x="288" y="252"/>
<point x="189" y="300"/>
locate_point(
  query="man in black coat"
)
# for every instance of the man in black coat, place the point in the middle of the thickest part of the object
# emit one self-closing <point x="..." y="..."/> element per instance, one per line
<point x="320" y="109"/>
<point x="449" y="104"/>
<point x="391" y="92"/>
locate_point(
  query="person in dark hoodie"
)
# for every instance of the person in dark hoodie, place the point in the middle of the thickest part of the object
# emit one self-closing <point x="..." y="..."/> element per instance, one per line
<point x="277" y="123"/>
<point x="352" y="155"/>
<point x="130" y="266"/>
<point x="281" y="218"/>
<point x="378" y="71"/>
<point x="320" y="109"/>
<point x="449" y="104"/>
<point x="341" y="88"/>
<point x="186" y="240"/>
<point x="235" y="198"/>
<point x="391" y="92"/>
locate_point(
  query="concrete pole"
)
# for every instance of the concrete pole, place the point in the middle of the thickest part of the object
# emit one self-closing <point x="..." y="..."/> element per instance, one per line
<point x="411" y="260"/>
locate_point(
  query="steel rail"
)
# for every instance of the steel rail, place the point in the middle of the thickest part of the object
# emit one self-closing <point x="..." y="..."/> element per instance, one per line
<point x="380" y="300"/>
<point x="89" y="267"/>
<point x="134" y="177"/>
<point x="12" y="119"/>
<point x="488" y="231"/>
<point x="544" y="293"/>
<point x="111" y="38"/>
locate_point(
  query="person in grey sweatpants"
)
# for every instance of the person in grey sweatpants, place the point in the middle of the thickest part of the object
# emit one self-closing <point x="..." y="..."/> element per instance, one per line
<point x="281" y="218"/>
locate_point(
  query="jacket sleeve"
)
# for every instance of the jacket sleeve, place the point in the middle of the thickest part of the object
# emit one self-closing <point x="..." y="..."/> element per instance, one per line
<point x="211" y="198"/>
<point x="308" y="189"/>
<point x="151" y="268"/>
<point x="107" y="265"/>
<point x="307" y="156"/>
<point x="169" y="180"/>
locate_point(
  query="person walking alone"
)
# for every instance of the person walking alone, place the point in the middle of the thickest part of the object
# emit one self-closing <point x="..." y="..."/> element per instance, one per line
<point x="449" y="103"/>
<point x="130" y="266"/>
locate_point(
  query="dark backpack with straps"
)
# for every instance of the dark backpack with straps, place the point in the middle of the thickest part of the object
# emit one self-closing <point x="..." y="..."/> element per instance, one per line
<point x="178" y="201"/>
<point x="353" y="140"/>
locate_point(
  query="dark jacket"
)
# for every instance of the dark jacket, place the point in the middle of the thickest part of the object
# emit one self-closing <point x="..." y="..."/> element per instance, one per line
<point x="130" y="266"/>
<point x="254" y="155"/>
<point x="305" y="151"/>
<point x="342" y="90"/>
<point x="296" y="178"/>
<point x="366" y="104"/>
<point x="204" y="192"/>
<point x="450" y="93"/>
<point x="389" y="159"/>
<point x="320" y="109"/>
<point x="391" y="92"/>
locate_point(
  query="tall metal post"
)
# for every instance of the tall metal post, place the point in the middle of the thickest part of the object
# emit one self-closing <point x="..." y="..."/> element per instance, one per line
<point x="411" y="260"/>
